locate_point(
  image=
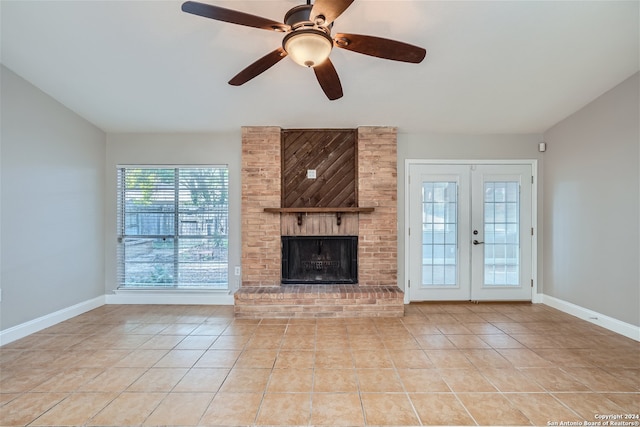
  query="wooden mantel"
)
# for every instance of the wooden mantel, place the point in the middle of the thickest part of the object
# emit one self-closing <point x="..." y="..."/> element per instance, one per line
<point x="319" y="210"/>
<point x="337" y="210"/>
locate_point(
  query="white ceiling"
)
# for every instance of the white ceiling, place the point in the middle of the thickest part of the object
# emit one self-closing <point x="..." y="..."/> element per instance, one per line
<point x="491" y="66"/>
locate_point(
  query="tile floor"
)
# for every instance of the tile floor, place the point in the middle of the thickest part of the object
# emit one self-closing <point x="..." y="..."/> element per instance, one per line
<point x="442" y="364"/>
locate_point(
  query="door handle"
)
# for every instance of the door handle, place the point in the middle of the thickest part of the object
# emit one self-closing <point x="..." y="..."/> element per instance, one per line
<point x="475" y="242"/>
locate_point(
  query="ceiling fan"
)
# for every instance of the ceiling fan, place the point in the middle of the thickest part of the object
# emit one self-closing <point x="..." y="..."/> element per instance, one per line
<point x="308" y="40"/>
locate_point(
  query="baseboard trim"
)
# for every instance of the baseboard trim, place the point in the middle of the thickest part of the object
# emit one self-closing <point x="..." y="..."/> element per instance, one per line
<point x="607" y="322"/>
<point x="140" y="297"/>
<point x="36" y="325"/>
<point x="169" y="297"/>
<point x="536" y="298"/>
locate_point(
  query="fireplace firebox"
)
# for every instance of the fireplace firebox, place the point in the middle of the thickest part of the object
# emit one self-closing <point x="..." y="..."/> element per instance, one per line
<point x="319" y="259"/>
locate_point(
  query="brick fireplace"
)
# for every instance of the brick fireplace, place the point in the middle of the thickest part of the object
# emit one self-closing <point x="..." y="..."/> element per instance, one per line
<point x="373" y="221"/>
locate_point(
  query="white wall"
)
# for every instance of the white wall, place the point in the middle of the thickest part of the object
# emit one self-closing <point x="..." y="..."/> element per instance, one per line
<point x="52" y="188"/>
<point x="172" y="149"/>
<point x="592" y="180"/>
<point x="434" y="146"/>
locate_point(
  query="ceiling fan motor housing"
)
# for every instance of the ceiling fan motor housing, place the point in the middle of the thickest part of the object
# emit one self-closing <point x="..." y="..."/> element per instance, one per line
<point x="301" y="16"/>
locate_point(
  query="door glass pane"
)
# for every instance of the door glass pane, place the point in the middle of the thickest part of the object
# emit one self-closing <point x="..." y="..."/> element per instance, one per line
<point x="501" y="237"/>
<point x="439" y="233"/>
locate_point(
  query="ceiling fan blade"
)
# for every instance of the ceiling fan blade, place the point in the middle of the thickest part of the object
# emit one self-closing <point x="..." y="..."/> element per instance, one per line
<point x="232" y="16"/>
<point x="328" y="79"/>
<point x="258" y="67"/>
<point x="380" y="48"/>
<point x="330" y="9"/>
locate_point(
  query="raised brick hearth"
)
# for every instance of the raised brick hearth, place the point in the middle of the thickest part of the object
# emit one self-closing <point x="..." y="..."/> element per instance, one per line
<point x="261" y="293"/>
<point x="319" y="301"/>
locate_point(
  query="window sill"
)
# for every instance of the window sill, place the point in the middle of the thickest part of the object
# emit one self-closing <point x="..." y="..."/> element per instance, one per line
<point x="171" y="296"/>
<point x="172" y="290"/>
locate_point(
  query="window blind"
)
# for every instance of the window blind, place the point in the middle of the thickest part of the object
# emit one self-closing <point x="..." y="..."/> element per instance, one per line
<point x="173" y="227"/>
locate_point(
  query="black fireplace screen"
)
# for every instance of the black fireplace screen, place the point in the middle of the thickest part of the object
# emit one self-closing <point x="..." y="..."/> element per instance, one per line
<point x="320" y="259"/>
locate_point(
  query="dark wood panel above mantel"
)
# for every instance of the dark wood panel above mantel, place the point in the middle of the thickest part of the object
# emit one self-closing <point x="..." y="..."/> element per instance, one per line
<point x="332" y="155"/>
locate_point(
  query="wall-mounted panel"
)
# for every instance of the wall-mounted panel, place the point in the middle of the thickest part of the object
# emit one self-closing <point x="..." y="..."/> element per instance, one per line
<point x="319" y="168"/>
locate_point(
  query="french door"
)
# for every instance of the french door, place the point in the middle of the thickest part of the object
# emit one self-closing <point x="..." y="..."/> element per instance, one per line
<point x="470" y="232"/>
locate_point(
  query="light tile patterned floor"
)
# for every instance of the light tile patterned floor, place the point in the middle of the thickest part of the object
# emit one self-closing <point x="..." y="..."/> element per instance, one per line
<point x="442" y="364"/>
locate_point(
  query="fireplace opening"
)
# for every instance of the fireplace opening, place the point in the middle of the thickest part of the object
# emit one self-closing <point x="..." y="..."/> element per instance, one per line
<point x="319" y="259"/>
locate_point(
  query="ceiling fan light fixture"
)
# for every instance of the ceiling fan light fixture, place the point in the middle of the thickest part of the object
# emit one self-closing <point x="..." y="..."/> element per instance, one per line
<point x="308" y="47"/>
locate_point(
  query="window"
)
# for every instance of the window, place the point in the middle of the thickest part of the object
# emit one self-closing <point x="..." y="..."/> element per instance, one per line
<point x="173" y="227"/>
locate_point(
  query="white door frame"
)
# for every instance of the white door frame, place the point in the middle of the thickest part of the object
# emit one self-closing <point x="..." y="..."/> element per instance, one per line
<point x="534" y="212"/>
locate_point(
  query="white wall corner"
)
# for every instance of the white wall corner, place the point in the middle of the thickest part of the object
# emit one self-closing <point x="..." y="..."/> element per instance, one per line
<point x="20" y="331"/>
<point x="607" y="322"/>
